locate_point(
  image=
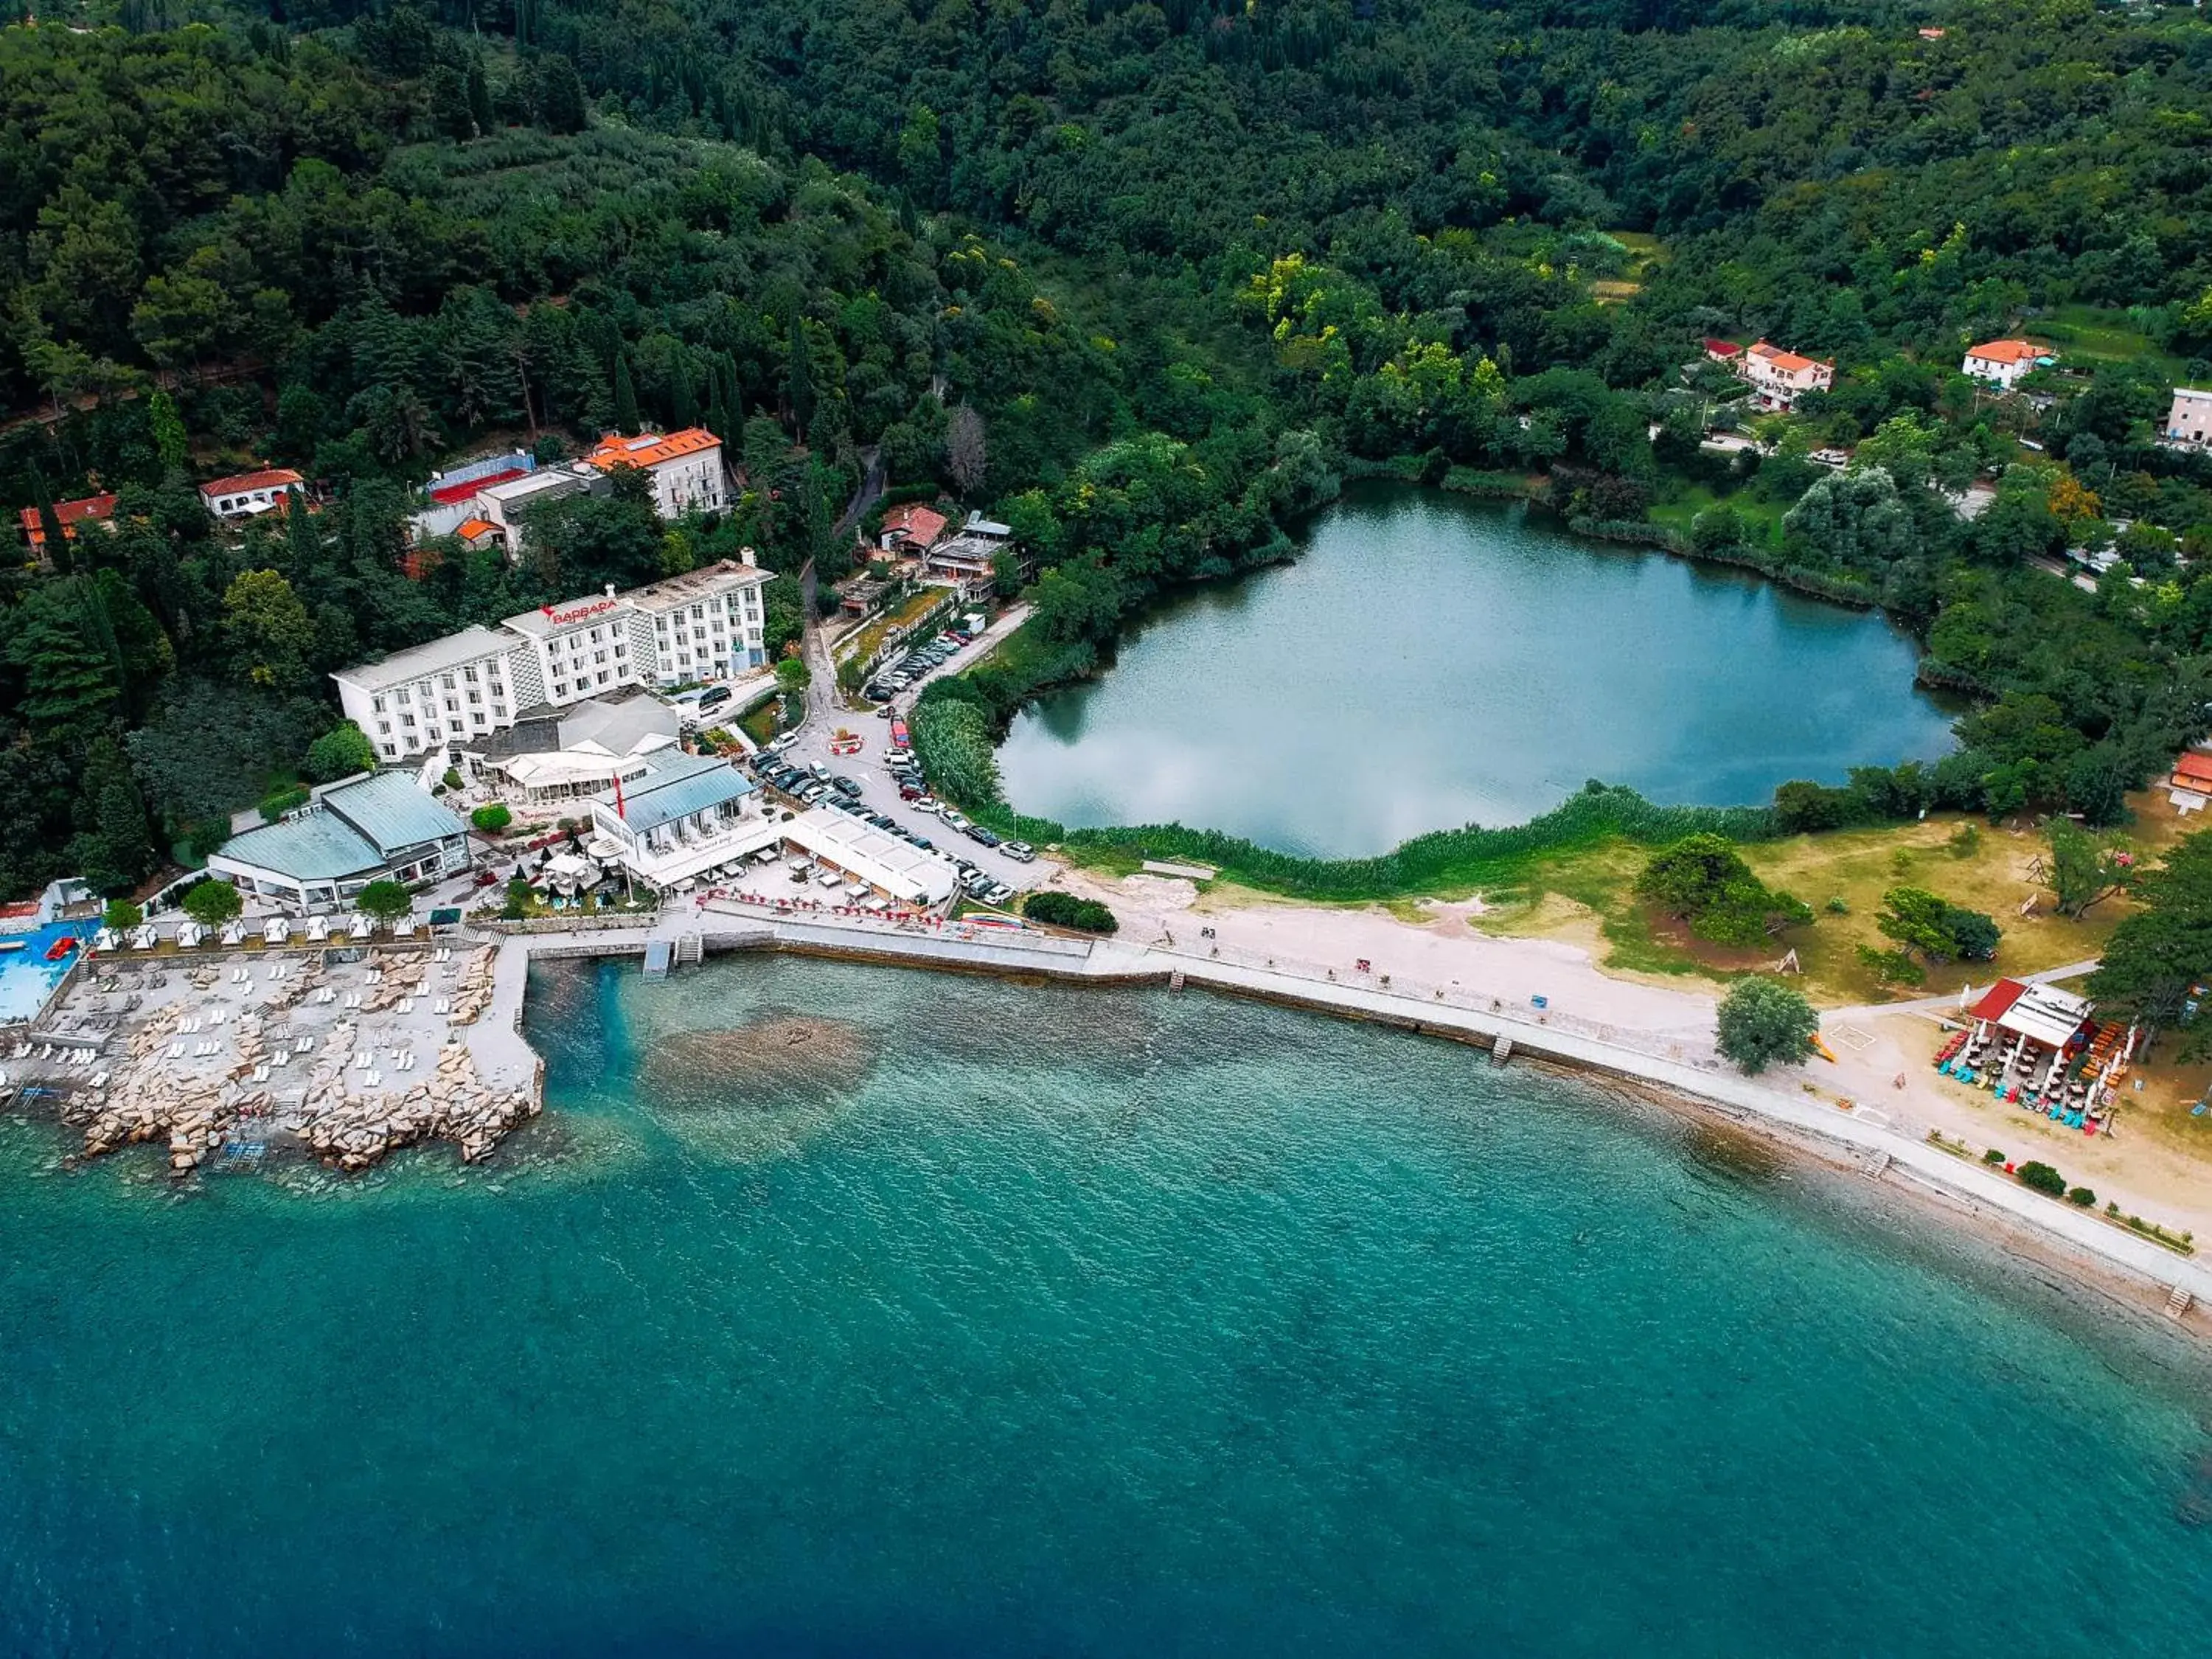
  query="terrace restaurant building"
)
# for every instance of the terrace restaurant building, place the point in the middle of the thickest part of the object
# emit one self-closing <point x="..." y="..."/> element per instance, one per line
<point x="379" y="828"/>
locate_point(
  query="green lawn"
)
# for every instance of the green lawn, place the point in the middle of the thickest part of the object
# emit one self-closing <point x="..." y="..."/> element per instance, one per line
<point x="1764" y="518"/>
<point x="2104" y="334"/>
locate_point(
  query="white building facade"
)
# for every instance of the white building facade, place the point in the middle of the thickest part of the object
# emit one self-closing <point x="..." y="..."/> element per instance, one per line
<point x="2189" y="420"/>
<point x="704" y="625"/>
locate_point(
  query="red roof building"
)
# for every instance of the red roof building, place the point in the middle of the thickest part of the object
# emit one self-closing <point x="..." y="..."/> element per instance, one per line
<point x="1722" y="351"/>
<point x="2193" y="772"/>
<point x="245" y="495"/>
<point x="91" y="509"/>
<point x="911" y="528"/>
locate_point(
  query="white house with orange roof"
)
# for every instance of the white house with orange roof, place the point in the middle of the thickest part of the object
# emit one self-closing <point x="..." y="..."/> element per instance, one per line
<point x="2005" y="363"/>
<point x="248" y="494"/>
<point x="1780" y="377"/>
<point x="687" y="469"/>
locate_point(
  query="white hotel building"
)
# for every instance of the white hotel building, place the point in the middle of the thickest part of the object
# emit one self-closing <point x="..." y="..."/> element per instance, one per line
<point x="452" y="693"/>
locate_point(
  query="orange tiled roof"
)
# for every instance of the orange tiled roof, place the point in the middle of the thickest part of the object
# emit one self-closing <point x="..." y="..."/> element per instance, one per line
<point x="89" y="508"/>
<point x="650" y="449"/>
<point x="921" y="525"/>
<point x="1788" y="362"/>
<point x="2194" y="768"/>
<point x="2006" y="351"/>
<point x="470" y="529"/>
<point x="270" y="477"/>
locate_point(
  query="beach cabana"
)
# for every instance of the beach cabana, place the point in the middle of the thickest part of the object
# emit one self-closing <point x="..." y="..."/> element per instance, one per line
<point x="277" y="931"/>
<point x="319" y="929"/>
<point x="234" y="933"/>
<point x="360" y="927"/>
<point x="189" y="935"/>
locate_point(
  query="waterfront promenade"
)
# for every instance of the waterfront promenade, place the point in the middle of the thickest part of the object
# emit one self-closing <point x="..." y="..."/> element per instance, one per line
<point x="1863" y="1135"/>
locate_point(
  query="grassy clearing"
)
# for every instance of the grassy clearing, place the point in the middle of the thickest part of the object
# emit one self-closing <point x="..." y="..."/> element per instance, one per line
<point x="1762" y="519"/>
<point x="2104" y="334"/>
<point x="1585" y="894"/>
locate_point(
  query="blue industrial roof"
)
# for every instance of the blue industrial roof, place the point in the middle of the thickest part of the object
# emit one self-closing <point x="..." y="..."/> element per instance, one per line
<point x="676" y="786"/>
<point x="313" y="847"/>
<point x="392" y="812"/>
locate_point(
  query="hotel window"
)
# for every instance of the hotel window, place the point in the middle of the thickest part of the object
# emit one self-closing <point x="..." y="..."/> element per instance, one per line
<point x="377" y="703"/>
<point x="405" y="696"/>
<point x="390" y="750"/>
<point x="407" y="719"/>
<point x="560" y="688"/>
<point x="385" y="726"/>
<point x="470" y="674"/>
<point x="476" y="697"/>
<point x="598" y="656"/>
<point x="447" y="681"/>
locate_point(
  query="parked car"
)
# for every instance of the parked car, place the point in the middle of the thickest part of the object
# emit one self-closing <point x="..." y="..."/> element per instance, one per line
<point x="976" y="832"/>
<point x="713" y="696"/>
<point x="1019" y="851"/>
<point x="999" y="894"/>
<point x="845" y="786"/>
<point x="954" y="818"/>
<point x="926" y="803"/>
<point x="909" y="792"/>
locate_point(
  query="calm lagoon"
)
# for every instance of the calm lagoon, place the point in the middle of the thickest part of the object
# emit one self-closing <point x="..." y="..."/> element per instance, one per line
<point x="1431" y="661"/>
<point x="832" y="1310"/>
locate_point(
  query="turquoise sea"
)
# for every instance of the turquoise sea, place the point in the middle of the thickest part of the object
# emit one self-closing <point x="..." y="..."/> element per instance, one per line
<point x="832" y="1309"/>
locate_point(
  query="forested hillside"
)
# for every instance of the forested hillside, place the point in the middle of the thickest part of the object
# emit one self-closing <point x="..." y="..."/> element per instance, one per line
<point x="1183" y="263"/>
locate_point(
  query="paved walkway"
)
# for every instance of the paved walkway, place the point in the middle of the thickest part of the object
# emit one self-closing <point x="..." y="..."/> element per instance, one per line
<point x="1859" y="1133"/>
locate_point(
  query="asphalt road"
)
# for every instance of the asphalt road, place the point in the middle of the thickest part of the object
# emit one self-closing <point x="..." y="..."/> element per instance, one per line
<point x="877" y="792"/>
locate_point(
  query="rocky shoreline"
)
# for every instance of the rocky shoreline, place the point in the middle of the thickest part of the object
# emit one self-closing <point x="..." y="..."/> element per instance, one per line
<point x="244" y="1104"/>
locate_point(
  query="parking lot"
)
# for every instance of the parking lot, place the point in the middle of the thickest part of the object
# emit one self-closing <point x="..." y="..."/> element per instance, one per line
<point x="869" y="768"/>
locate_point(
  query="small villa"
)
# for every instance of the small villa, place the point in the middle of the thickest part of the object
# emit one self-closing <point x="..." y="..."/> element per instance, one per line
<point x="2005" y="363"/>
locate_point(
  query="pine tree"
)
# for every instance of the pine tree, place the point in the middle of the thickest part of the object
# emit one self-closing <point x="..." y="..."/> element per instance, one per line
<point x="800" y="384"/>
<point x="626" y="418"/>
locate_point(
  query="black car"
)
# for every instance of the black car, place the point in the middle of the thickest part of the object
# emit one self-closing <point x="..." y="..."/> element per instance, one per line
<point x="976" y="832"/>
<point x="845" y="787"/>
<point x="713" y="696"/>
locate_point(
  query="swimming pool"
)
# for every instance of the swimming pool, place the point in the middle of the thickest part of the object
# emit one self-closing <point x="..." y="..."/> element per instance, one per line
<point x="26" y="978"/>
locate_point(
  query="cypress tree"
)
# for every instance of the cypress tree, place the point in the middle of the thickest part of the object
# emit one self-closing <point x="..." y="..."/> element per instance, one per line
<point x="626" y="420"/>
<point x="59" y="553"/>
<point x="801" y="381"/>
<point x="684" y="396"/>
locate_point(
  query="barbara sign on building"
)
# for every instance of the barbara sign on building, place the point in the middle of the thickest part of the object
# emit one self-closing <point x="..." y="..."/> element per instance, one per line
<point x="576" y="613"/>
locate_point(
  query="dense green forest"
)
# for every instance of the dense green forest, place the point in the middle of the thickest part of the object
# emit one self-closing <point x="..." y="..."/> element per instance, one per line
<point x="1180" y="266"/>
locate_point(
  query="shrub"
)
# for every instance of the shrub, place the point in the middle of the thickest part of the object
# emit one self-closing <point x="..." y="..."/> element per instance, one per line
<point x="340" y="753"/>
<point x="2081" y="1195"/>
<point x="1836" y="907"/>
<point x="1892" y="967"/>
<point x="278" y="802"/>
<point x="2112" y="1209"/>
<point x="1066" y="911"/>
<point x="122" y="915"/>
<point x="518" y="900"/>
<point x="2043" y="1178"/>
<point x="1704" y="880"/>
<point x="1965" y="842"/>
<point x="491" y="819"/>
<point x="1993" y="1155"/>
<point x="452" y="778"/>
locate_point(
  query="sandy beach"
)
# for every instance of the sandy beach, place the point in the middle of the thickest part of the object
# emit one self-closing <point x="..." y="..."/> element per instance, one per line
<point x="1448" y="949"/>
